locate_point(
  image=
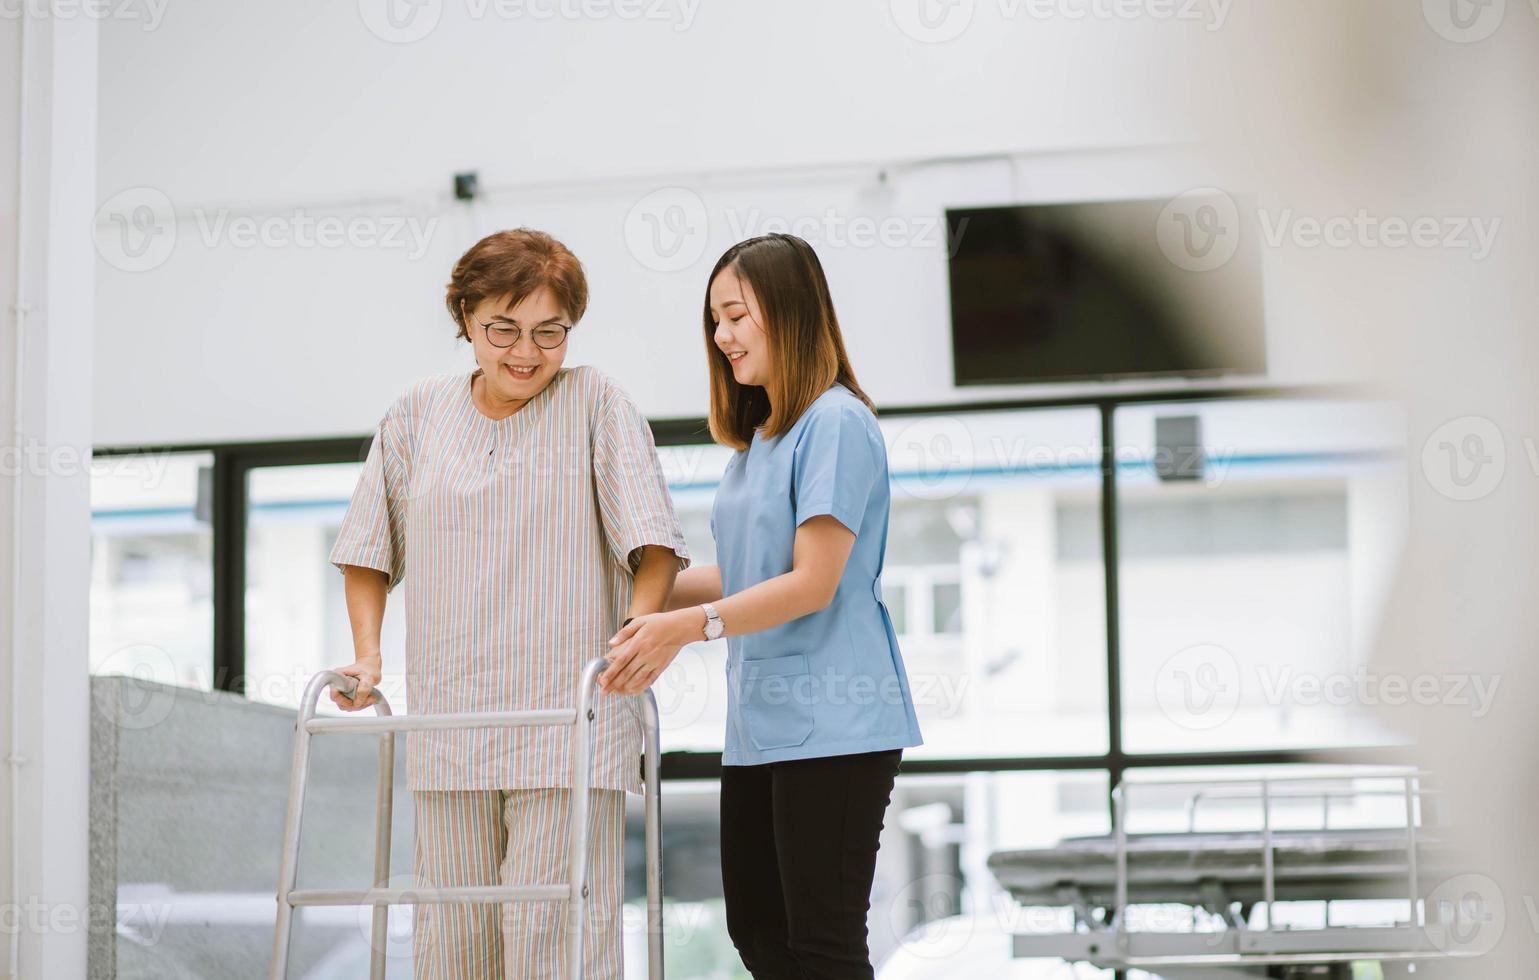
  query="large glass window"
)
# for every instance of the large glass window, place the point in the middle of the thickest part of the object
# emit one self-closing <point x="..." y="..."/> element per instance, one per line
<point x="296" y="611"/>
<point x="1001" y="627"/>
<point x="1002" y="630"/>
<point x="1256" y="542"/>
<point x="152" y="608"/>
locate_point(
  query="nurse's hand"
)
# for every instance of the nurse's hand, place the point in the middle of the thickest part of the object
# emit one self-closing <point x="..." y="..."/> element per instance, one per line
<point x="640" y="652"/>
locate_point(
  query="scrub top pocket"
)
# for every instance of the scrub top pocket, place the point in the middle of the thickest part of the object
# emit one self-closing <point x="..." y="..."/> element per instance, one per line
<point x="776" y="701"/>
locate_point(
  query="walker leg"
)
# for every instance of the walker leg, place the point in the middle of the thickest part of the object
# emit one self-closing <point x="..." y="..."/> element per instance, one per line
<point x="289" y="867"/>
<point x="652" y="800"/>
<point x="577" y="830"/>
<point x="379" y="933"/>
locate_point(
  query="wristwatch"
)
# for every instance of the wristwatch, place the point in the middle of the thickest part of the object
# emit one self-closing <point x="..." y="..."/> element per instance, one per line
<point x="714" y="627"/>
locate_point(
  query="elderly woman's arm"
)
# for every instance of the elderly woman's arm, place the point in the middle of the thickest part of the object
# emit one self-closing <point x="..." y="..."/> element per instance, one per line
<point x="365" y="591"/>
<point x="653" y="580"/>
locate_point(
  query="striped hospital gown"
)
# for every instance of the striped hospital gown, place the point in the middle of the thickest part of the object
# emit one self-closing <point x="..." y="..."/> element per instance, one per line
<point x="521" y="536"/>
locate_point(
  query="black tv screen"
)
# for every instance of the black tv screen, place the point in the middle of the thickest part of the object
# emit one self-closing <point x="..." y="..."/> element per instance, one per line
<point x="1059" y="292"/>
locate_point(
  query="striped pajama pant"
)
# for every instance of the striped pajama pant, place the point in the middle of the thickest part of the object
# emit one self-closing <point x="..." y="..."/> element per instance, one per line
<point x="514" y="837"/>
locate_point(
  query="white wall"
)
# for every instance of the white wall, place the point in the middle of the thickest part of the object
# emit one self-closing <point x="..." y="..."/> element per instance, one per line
<point x="47" y="156"/>
<point x="757" y="111"/>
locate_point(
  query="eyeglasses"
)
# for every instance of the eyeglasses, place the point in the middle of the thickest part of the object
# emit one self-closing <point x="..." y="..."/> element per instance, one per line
<point x="547" y="336"/>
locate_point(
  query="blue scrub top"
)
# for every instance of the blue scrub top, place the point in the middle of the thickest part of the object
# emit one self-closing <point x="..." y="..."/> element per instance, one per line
<point x="831" y="682"/>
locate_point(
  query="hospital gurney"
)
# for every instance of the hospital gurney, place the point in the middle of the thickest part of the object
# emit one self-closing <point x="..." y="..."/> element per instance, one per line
<point x="386" y="725"/>
<point x="1227" y="874"/>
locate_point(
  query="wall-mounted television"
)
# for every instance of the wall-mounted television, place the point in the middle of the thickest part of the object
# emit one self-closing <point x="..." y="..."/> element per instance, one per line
<point x="1105" y="290"/>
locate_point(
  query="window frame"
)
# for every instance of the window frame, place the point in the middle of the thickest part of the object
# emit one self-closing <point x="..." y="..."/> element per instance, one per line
<point x="233" y="463"/>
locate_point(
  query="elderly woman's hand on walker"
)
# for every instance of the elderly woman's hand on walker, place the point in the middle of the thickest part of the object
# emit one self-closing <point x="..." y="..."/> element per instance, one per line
<point x="365" y="590"/>
<point x="644" y="648"/>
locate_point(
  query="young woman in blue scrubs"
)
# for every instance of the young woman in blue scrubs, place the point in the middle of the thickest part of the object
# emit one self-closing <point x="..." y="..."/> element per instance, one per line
<point x="818" y="702"/>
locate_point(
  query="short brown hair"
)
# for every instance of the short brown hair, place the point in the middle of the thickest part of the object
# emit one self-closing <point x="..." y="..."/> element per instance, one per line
<point x="807" y="348"/>
<point x="516" y="264"/>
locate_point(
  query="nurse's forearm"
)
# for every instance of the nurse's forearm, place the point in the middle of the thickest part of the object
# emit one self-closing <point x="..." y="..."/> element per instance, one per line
<point x="696" y="584"/>
<point x="364" y="589"/>
<point x="818" y="557"/>
<point x="653" y="580"/>
<point x="771" y="603"/>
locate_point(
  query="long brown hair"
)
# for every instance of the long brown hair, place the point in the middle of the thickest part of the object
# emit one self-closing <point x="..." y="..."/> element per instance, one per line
<point x="807" y="353"/>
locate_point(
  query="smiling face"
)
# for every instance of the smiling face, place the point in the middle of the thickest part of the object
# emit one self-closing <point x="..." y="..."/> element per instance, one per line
<point x="739" y="326"/>
<point x="516" y="374"/>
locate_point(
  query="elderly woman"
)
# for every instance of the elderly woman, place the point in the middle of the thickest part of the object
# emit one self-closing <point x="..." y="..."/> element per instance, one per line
<point x="527" y="499"/>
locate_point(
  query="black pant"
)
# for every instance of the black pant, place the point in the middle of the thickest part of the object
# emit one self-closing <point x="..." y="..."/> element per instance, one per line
<point x="798" y="854"/>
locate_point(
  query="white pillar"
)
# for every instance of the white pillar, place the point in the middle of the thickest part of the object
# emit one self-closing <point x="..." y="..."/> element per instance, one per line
<point x="47" y="269"/>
